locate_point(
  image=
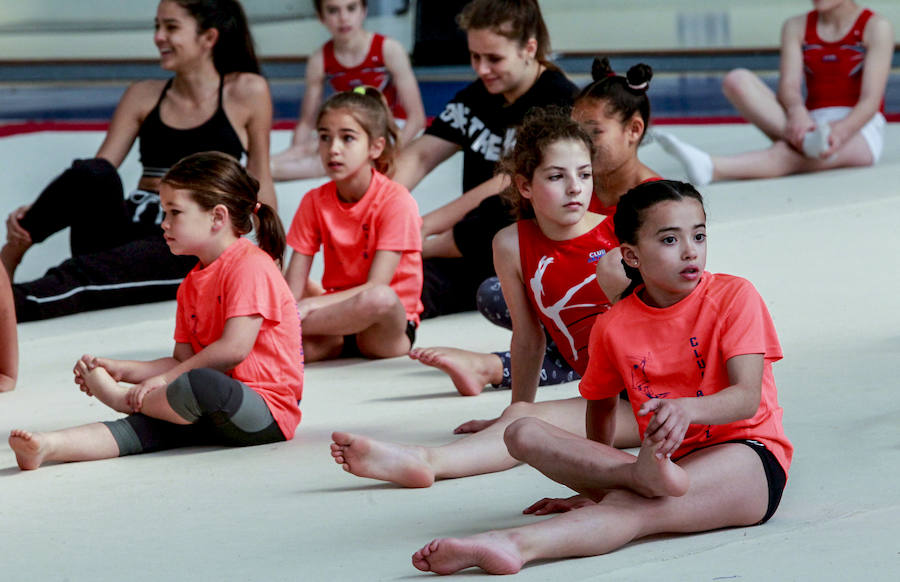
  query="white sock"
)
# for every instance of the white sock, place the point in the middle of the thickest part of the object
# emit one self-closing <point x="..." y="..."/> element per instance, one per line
<point x="697" y="163"/>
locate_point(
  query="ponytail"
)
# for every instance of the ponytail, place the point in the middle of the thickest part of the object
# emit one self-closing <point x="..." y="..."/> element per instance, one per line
<point x="270" y="233"/>
<point x="214" y="178"/>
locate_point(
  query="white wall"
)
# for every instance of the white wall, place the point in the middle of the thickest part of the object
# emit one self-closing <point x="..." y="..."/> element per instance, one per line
<point x="575" y="25"/>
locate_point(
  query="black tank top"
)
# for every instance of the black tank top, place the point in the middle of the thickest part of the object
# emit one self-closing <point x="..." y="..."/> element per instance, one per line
<point x="161" y="146"/>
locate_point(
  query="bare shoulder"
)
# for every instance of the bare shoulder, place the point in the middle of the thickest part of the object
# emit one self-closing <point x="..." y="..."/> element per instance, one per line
<point x="140" y="98"/>
<point x="246" y="87"/>
<point x="506" y="241"/>
<point x="878" y="30"/>
<point x="144" y="92"/>
<point x="794" y="28"/>
<point x="392" y="49"/>
<point x="315" y="65"/>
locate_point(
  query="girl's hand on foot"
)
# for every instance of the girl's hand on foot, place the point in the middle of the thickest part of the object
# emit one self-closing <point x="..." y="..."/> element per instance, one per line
<point x="549" y="505"/>
<point x="80" y="370"/>
<point x="837" y="137"/>
<point x="669" y="424"/>
<point x="113" y="367"/>
<point x="474" y="426"/>
<point x="799" y="123"/>
<point x="135" y="397"/>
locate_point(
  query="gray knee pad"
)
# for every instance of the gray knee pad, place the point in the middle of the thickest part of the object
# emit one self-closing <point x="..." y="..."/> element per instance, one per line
<point x="180" y="395"/>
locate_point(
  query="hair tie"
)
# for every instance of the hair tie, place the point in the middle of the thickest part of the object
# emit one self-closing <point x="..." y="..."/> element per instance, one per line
<point x="642" y="87"/>
<point x="610" y="74"/>
<point x="256" y="208"/>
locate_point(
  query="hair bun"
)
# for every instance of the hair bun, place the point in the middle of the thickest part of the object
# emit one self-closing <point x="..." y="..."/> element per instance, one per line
<point x="600" y="69"/>
<point x="639" y="76"/>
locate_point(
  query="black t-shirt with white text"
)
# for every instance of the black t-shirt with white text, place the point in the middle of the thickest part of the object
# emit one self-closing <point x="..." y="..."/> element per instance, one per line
<point x="484" y="125"/>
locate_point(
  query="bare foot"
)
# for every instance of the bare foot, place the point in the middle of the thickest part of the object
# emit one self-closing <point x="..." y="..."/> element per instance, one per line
<point x="492" y="552"/>
<point x="30" y="448"/>
<point x="469" y="371"/>
<point x="365" y="457"/>
<point x="104" y="388"/>
<point x="655" y="477"/>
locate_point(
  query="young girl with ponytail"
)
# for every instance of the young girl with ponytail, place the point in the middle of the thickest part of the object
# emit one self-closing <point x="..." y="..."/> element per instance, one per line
<point x="235" y="376"/>
<point x="369" y="228"/>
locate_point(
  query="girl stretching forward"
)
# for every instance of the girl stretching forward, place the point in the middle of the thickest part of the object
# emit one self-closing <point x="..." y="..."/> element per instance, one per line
<point x="695" y="352"/>
<point x="546" y="262"/>
<point x="615" y="111"/>
<point x="844" y="53"/>
<point x="370" y="228"/>
<point x="236" y="374"/>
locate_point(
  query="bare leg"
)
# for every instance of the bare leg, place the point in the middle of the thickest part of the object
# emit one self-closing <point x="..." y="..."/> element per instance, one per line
<point x="469" y="371"/>
<point x="475" y="454"/>
<point x="111" y="393"/>
<point x="589" y="467"/>
<point x="104" y="388"/>
<point x="756" y="102"/>
<point x="728" y="488"/>
<point x="375" y="315"/>
<point x="89" y="442"/>
<point x="297" y="163"/>
<point x="782" y="160"/>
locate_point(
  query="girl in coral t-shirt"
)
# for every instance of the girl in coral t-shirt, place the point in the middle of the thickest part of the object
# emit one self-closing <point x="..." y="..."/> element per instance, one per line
<point x="695" y="352"/>
<point x="547" y="263"/>
<point x="370" y="230"/>
<point x="236" y="374"/>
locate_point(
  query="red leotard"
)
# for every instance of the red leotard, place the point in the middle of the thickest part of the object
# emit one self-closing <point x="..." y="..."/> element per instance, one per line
<point x="834" y="70"/>
<point x="561" y="284"/>
<point x="372" y="72"/>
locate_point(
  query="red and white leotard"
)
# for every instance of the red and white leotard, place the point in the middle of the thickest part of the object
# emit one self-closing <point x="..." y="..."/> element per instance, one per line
<point x="834" y="70"/>
<point x="372" y="72"/>
<point x="561" y="284"/>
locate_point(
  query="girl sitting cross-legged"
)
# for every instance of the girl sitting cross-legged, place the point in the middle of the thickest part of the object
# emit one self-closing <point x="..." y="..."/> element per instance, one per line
<point x="369" y="227"/>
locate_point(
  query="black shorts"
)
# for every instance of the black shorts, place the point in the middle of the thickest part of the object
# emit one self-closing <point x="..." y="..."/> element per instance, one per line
<point x="775" y="475"/>
<point x="351" y="348"/>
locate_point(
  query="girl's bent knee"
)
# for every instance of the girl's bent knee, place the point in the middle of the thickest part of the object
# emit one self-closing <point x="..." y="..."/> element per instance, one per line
<point x="520" y="437"/>
<point x="518" y="410"/>
<point x="380" y="299"/>
<point x="735" y="81"/>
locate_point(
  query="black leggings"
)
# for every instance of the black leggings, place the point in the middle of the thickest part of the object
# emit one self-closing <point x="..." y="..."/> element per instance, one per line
<point x="221" y="410"/>
<point x="118" y="254"/>
<point x="554" y="369"/>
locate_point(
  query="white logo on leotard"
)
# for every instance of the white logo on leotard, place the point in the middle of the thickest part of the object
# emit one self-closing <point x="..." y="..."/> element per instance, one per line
<point x="553" y="311"/>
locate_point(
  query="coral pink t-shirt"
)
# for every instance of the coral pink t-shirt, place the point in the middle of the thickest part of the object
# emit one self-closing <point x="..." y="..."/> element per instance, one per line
<point x="681" y="351"/>
<point x="243" y="281"/>
<point x="386" y="218"/>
